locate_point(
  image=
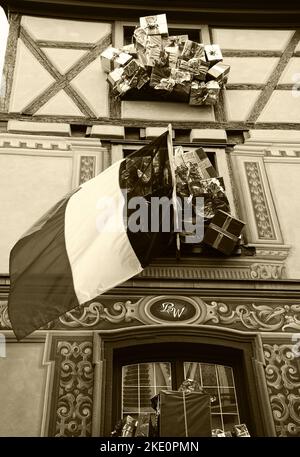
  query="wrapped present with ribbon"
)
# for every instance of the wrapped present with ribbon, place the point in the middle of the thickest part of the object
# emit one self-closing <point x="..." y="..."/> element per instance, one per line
<point x="129" y="426"/>
<point x="213" y="53"/>
<point x="223" y="232"/>
<point x="177" y="41"/>
<point x="158" y="73"/>
<point x="155" y="25"/>
<point x="182" y="86"/>
<point x="213" y="192"/>
<point x="140" y="37"/>
<point x="219" y="72"/>
<point x="217" y="433"/>
<point x="199" y="158"/>
<point x="130" y="49"/>
<point x="198" y="93"/>
<point x="212" y="92"/>
<point x="241" y="430"/>
<point x="184" y="414"/>
<point x="115" y="76"/>
<point x="143" y="425"/>
<point x="113" y="57"/>
<point x="190" y="385"/>
<point x="197" y="66"/>
<point x="192" y="49"/>
<point x="153" y="50"/>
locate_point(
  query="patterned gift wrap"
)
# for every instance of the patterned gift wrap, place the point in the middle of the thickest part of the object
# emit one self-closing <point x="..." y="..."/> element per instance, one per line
<point x="197" y="66"/>
<point x="177" y="41"/>
<point x="115" y="76"/>
<point x="190" y="385"/>
<point x="219" y="72"/>
<point x="218" y="432"/>
<point x="129" y="426"/>
<point x="155" y="25"/>
<point x="184" y="414"/>
<point x="113" y="56"/>
<point x="212" y="91"/>
<point x="198" y="93"/>
<point x="223" y="232"/>
<point x="212" y="190"/>
<point x="205" y="170"/>
<point x="143" y="425"/>
<point x="140" y="37"/>
<point x="158" y="73"/>
<point x="213" y="53"/>
<point x="241" y="430"/>
<point x="153" y="50"/>
<point x="192" y="49"/>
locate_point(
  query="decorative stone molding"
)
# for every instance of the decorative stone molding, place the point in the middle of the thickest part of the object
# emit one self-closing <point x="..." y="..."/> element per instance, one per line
<point x="87" y="168"/>
<point x="87" y="154"/>
<point x="283" y="381"/>
<point x="72" y="402"/>
<point x="109" y="313"/>
<point x="260" y="208"/>
<point x="267" y="271"/>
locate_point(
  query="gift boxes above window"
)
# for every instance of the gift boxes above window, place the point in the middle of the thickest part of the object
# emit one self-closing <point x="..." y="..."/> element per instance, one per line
<point x="170" y="67"/>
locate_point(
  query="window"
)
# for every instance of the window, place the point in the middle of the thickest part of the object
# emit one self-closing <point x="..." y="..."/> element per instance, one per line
<point x="140" y="382"/>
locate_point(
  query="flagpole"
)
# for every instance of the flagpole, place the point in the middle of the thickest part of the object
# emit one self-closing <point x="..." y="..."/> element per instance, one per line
<point x="174" y="193"/>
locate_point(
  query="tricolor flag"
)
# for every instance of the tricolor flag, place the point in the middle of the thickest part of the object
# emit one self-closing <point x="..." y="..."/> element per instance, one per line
<point x="82" y="246"/>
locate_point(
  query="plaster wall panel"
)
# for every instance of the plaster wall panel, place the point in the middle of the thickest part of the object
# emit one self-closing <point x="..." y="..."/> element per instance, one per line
<point x="250" y="70"/>
<point x="42" y="28"/>
<point x="29" y="186"/>
<point x="239" y="103"/>
<point x="166" y="111"/>
<point x="30" y="79"/>
<point x="284" y="181"/>
<point x="283" y="106"/>
<point x="91" y="84"/>
<point x="268" y="40"/>
<point x="63" y="59"/>
<point x="291" y="73"/>
<point x="22" y="386"/>
<point x="60" y="104"/>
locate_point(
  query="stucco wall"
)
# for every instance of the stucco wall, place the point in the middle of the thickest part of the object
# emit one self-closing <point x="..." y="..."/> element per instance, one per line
<point x="22" y="385"/>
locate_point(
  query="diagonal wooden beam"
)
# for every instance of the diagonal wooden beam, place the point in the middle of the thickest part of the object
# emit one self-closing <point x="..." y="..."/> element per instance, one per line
<point x="9" y="61"/>
<point x="61" y="81"/>
<point x="274" y="78"/>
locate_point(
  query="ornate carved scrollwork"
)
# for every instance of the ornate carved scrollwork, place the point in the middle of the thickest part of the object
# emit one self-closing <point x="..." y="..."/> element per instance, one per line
<point x="283" y="381"/>
<point x="87" y="168"/>
<point x="263" y="219"/>
<point x="267" y="271"/>
<point x="4" y="319"/>
<point x="256" y="317"/>
<point x="73" y="408"/>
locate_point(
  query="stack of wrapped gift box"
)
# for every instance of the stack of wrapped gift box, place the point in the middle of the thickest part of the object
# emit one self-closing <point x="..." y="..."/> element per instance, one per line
<point x="173" y="66"/>
<point x="185" y="412"/>
<point x="196" y="177"/>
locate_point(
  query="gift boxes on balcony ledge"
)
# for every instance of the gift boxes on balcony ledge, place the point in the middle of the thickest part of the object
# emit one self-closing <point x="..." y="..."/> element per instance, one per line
<point x="172" y="67"/>
<point x="196" y="177"/>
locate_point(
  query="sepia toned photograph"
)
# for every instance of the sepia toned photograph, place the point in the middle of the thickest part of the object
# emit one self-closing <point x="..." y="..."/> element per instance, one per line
<point x="150" y="222"/>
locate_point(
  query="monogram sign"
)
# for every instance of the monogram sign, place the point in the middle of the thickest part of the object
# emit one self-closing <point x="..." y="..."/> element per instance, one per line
<point x="172" y="310"/>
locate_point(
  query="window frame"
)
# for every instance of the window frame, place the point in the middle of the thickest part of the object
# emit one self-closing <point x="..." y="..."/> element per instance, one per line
<point x="223" y="340"/>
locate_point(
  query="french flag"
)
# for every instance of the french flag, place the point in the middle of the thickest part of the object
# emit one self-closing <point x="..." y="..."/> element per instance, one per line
<point x="82" y="246"/>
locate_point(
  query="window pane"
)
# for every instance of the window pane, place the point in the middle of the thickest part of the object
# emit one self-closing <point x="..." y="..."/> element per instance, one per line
<point x="192" y="370"/>
<point x="230" y="420"/>
<point x="140" y="382"/>
<point x="216" y="421"/>
<point x="209" y="375"/>
<point x="228" y="400"/>
<point x="225" y="376"/>
<point x="130" y="375"/>
<point x="214" y="399"/>
<point x="130" y="399"/>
